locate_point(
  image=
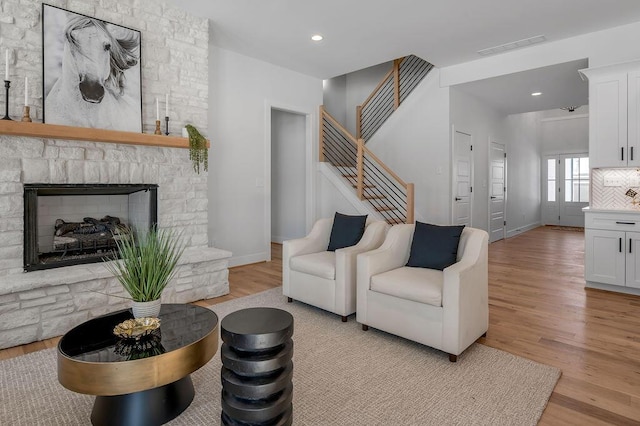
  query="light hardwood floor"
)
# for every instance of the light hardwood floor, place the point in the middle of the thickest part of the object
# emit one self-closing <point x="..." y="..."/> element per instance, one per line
<point x="539" y="309"/>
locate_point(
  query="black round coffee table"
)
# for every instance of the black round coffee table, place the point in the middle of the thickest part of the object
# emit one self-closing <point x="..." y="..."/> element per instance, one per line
<point x="256" y="367"/>
<point x="143" y="383"/>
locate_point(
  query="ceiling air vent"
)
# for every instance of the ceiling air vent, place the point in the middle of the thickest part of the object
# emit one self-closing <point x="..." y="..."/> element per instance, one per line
<point x="512" y="45"/>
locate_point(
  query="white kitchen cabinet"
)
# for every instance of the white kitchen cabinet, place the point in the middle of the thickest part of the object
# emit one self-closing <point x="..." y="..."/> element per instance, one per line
<point x="612" y="250"/>
<point x="614" y="107"/>
<point x="633" y="259"/>
<point x="604" y="256"/>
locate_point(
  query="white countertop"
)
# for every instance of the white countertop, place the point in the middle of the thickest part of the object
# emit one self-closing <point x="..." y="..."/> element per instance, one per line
<point x="592" y="210"/>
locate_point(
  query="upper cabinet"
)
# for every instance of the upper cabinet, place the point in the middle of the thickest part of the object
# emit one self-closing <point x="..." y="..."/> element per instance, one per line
<point x="614" y="115"/>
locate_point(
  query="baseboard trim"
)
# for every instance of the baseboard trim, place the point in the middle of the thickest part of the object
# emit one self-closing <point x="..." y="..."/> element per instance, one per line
<point x="613" y="288"/>
<point x="520" y="230"/>
<point x="248" y="259"/>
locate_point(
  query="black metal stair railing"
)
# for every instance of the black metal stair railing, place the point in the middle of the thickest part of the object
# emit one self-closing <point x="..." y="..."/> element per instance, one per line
<point x="392" y="90"/>
<point x="374" y="182"/>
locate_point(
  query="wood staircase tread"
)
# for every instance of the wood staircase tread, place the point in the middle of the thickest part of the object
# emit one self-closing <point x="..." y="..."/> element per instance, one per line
<point x="384" y="208"/>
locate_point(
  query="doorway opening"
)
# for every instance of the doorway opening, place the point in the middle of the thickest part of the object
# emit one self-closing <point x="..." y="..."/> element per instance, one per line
<point x="289" y="180"/>
<point x="287" y="176"/>
<point x="566" y="189"/>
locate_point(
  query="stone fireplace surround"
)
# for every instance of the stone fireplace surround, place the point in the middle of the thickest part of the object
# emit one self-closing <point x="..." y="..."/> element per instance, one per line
<point x="42" y="304"/>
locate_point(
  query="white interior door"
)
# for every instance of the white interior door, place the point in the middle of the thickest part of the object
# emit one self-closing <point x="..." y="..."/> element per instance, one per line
<point x="462" y="178"/>
<point x="497" y="192"/>
<point x="566" y="191"/>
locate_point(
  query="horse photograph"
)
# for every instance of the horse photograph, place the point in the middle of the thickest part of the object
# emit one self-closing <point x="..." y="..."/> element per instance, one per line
<point x="92" y="74"/>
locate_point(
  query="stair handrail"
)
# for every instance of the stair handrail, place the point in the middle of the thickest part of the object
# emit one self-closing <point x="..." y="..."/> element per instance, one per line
<point x="396" y="81"/>
<point x="393" y="72"/>
<point x="358" y="154"/>
<point x="409" y="187"/>
<point x="377" y="89"/>
<point x="325" y="114"/>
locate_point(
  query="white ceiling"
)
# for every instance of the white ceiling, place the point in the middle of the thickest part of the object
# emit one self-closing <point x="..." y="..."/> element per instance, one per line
<point x="561" y="86"/>
<point x="362" y="33"/>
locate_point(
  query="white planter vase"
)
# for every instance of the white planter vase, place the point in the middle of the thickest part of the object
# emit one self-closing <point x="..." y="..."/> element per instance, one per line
<point x="146" y="309"/>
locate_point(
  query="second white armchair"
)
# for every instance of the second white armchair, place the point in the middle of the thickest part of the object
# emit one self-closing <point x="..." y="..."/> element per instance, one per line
<point x="445" y="307"/>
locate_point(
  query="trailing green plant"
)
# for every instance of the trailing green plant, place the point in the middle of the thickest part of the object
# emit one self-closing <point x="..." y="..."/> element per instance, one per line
<point x="198" y="151"/>
<point x="146" y="264"/>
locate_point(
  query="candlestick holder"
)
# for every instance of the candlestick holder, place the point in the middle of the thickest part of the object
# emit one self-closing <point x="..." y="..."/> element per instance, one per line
<point x="166" y="121"/>
<point x="26" y="114"/>
<point x="158" y="131"/>
<point x="7" y="84"/>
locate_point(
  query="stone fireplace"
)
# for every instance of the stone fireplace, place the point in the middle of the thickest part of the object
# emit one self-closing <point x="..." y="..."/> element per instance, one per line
<point x="41" y="304"/>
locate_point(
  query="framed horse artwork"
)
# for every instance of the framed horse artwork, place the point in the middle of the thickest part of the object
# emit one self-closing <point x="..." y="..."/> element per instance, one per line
<point x="91" y="72"/>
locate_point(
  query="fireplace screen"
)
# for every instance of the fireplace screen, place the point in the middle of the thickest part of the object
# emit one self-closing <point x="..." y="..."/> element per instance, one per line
<point x="73" y="224"/>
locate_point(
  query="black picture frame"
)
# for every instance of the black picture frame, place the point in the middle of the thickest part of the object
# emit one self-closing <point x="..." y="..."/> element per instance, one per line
<point x="92" y="75"/>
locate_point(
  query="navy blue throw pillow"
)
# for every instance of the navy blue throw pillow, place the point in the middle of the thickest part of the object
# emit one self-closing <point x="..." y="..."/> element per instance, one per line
<point x="433" y="246"/>
<point x="346" y="231"/>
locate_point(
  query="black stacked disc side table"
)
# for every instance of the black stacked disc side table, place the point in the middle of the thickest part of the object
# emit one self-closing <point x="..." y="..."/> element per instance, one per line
<point x="257" y="368"/>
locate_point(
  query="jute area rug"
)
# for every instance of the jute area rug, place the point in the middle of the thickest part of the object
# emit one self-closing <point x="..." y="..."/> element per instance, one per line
<point x="342" y="376"/>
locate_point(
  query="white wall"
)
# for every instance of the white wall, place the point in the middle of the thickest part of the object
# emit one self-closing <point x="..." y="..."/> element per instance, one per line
<point x="241" y="91"/>
<point x="473" y="116"/>
<point x="287" y="176"/>
<point x="414" y="142"/>
<point x="331" y="200"/>
<point x="334" y="97"/>
<point x="523" y="172"/>
<point x="565" y="132"/>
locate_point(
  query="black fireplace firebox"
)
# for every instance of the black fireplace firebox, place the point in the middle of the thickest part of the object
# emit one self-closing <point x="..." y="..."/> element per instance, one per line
<point x="79" y="223"/>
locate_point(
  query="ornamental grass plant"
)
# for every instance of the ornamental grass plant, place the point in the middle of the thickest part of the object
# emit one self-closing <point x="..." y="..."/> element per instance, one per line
<point x="147" y="263"/>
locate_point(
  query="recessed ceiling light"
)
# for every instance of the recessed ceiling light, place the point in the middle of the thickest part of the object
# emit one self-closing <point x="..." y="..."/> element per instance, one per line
<point x="316" y="37"/>
<point x="536" y="94"/>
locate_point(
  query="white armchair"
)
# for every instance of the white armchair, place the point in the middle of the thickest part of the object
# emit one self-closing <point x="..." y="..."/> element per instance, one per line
<point x="447" y="310"/>
<point x="326" y="279"/>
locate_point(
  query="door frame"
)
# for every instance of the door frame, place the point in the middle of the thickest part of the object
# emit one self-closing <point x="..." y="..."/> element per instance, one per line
<point x="506" y="193"/>
<point x="452" y="190"/>
<point x="311" y="149"/>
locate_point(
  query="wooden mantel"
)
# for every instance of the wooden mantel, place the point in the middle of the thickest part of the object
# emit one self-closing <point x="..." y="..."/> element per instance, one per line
<point x="54" y="131"/>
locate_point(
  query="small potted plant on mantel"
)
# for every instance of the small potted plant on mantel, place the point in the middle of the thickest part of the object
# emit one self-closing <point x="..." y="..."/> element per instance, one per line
<point x="198" y="151"/>
<point x="145" y="267"/>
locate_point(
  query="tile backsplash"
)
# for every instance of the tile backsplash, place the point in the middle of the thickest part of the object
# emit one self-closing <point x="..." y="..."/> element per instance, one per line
<point x="609" y="189"/>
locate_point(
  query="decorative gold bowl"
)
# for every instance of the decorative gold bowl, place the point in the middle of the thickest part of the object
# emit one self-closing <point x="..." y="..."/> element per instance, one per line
<point x="136" y="328"/>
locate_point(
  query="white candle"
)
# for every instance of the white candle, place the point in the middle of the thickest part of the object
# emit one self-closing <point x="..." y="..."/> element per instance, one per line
<point x="157" y="109"/>
<point x="26" y="91"/>
<point x="166" y="111"/>
<point x="6" y="64"/>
